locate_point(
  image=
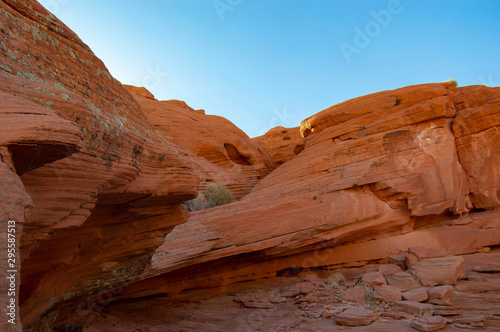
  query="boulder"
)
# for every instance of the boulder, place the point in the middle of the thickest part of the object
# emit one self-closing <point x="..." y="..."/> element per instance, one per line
<point x="389" y="269"/>
<point x="410" y="259"/>
<point x="415" y="308"/>
<point x="403" y="281"/>
<point x="357" y="317"/>
<point x="439" y="271"/>
<point x="440" y="295"/>
<point x="398" y="259"/>
<point x="416" y="295"/>
<point x="428" y="324"/>
<point x="374" y="279"/>
<point x="355" y="294"/>
<point x="387" y="293"/>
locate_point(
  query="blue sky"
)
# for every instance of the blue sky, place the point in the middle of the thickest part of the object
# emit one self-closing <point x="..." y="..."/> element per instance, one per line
<point x="266" y="63"/>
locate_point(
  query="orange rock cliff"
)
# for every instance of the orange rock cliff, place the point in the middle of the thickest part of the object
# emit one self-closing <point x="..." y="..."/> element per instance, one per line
<point x="95" y="175"/>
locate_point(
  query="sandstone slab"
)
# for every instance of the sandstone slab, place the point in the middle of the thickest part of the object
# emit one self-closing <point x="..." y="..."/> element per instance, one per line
<point x="439" y="271"/>
<point x="389" y="269"/>
<point x="403" y="281"/>
<point x="422" y="252"/>
<point x="416" y="295"/>
<point x="357" y="317"/>
<point x="410" y="259"/>
<point x="374" y="279"/>
<point x="355" y="294"/>
<point x="387" y="293"/>
<point x="415" y="308"/>
<point x="428" y="324"/>
<point x="440" y="294"/>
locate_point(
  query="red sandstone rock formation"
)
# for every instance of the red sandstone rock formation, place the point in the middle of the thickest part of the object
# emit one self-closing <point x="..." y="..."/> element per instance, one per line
<point x="89" y="181"/>
<point x="282" y="144"/>
<point x="346" y="189"/>
<point x="219" y="151"/>
<point x="94" y="175"/>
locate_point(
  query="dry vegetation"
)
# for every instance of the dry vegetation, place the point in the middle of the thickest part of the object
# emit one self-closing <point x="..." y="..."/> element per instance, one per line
<point x="214" y="195"/>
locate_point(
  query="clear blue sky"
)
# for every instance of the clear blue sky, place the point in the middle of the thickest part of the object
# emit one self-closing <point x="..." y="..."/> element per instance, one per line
<point x="265" y="63"/>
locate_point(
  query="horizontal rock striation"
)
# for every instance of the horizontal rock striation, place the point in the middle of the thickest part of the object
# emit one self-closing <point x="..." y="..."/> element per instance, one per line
<point x="219" y="152"/>
<point x="92" y="186"/>
<point x="340" y="200"/>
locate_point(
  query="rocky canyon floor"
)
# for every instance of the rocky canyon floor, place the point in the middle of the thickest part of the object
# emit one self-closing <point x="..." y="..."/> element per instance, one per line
<point x="312" y="301"/>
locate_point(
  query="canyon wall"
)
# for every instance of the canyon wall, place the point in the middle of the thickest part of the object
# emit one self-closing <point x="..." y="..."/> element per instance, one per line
<point x="92" y="180"/>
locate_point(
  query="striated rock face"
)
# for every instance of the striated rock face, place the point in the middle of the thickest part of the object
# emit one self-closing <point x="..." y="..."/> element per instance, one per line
<point x="92" y="186"/>
<point x="476" y="129"/>
<point x="94" y="174"/>
<point x="281" y="143"/>
<point x="346" y="187"/>
<point x="219" y="151"/>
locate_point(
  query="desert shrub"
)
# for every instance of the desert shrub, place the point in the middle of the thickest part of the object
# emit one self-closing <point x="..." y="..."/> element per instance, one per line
<point x="214" y="195"/>
<point x="452" y="81"/>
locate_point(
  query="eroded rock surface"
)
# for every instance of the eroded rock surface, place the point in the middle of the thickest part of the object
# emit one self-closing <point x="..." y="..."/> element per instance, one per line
<point x="281" y="143"/>
<point x="91" y="184"/>
<point x="220" y="153"/>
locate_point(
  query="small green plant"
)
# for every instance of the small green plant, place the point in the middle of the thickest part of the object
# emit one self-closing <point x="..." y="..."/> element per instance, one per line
<point x="213" y="195"/>
<point x="452" y="81"/>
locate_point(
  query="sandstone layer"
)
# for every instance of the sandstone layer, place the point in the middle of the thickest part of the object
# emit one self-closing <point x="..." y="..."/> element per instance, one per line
<point x="281" y="143"/>
<point x="95" y="175"/>
<point x="92" y="179"/>
<point x="220" y="153"/>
